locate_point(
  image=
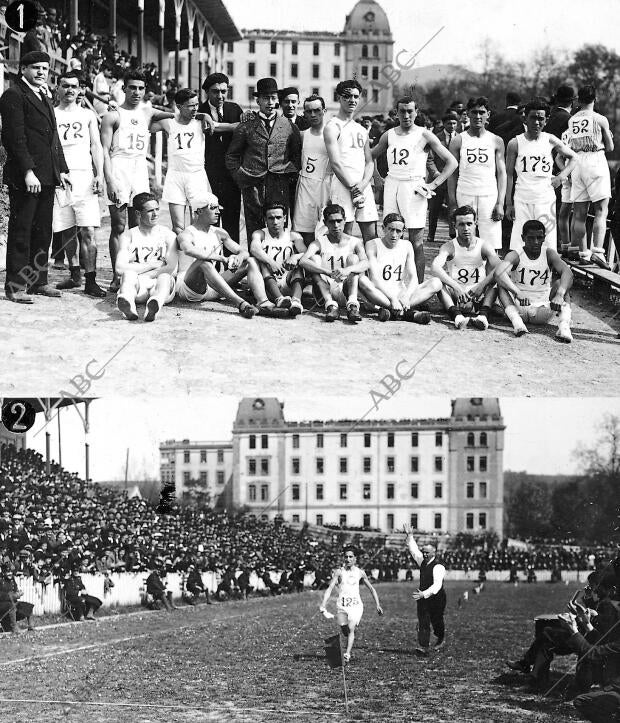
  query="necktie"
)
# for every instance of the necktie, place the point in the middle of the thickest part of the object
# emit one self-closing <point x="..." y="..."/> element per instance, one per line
<point x="220" y="117"/>
<point x="268" y="125"/>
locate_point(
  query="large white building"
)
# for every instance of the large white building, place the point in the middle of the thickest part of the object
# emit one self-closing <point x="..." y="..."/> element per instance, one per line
<point x="436" y="474"/>
<point x="315" y="62"/>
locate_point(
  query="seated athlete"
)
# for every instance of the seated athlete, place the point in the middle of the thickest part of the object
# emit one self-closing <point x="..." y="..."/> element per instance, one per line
<point x="349" y="607"/>
<point x="147" y="262"/>
<point x="525" y="279"/>
<point x="392" y="269"/>
<point x="337" y="263"/>
<point x="205" y="274"/>
<point x="278" y="252"/>
<point x="469" y="276"/>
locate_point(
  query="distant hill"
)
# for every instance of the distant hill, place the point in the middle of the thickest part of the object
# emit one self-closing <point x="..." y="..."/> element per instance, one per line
<point x="432" y="74"/>
<point x="513" y="479"/>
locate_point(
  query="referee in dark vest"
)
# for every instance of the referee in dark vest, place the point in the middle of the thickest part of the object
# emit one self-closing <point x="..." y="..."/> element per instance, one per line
<point x="431" y="596"/>
<point x="34" y="167"/>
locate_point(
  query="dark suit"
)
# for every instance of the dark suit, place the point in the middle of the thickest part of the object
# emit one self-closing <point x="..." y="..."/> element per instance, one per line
<point x="441" y="192"/>
<point x="507" y="125"/>
<point x="264" y="165"/>
<point x="558" y="122"/>
<point x="31" y="141"/>
<point x="221" y="181"/>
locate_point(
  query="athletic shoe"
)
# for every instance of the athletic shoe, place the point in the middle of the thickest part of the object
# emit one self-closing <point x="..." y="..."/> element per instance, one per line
<point x="384" y="314"/>
<point x="519" y="328"/>
<point x="152" y="309"/>
<point x="247" y="310"/>
<point x="46" y="290"/>
<point x="353" y="312"/>
<point x="417" y="316"/>
<point x="68" y="284"/>
<point x="599" y="260"/>
<point x="346" y="657"/>
<point x="422" y="652"/>
<point x="94" y="290"/>
<point x="461" y="321"/>
<point x="439" y="644"/>
<point x="295" y="308"/>
<point x="519" y="665"/>
<point x="396" y="315"/>
<point x="332" y="313"/>
<point x="479" y="322"/>
<point x="284" y="302"/>
<point x="59" y="266"/>
<point x="563" y="333"/>
<point x="127" y="308"/>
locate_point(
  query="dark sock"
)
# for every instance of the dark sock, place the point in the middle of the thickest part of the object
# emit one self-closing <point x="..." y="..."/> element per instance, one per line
<point x="484" y="311"/>
<point x="75" y="274"/>
<point x="453" y="312"/>
<point x="90" y="277"/>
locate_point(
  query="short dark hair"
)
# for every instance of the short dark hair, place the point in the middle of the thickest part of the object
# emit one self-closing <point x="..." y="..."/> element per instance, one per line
<point x="586" y="94"/>
<point x="182" y="96"/>
<point x="135" y="74"/>
<point x="349" y="548"/>
<point x="512" y="98"/>
<point x="272" y="205"/>
<point x="314" y="97"/>
<point x="405" y="100"/>
<point x="537" y="103"/>
<point x="450" y="115"/>
<point x="479" y="102"/>
<point x="345" y="85"/>
<point x="392" y="217"/>
<point x="290" y="90"/>
<point x="465" y="211"/>
<point x="533" y="225"/>
<point x="333" y="208"/>
<point x="141" y="199"/>
<point x="72" y="74"/>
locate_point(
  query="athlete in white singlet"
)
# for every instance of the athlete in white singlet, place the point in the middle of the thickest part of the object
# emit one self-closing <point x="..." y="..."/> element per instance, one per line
<point x="349" y="608"/>
<point x="349" y="154"/>
<point x="590" y="138"/>
<point x="480" y="181"/>
<point x="185" y="176"/>
<point x="77" y="212"/>
<point x="392" y="270"/>
<point x="205" y="273"/>
<point x="147" y="262"/>
<point x="337" y="263"/>
<point x="315" y="176"/>
<point x="278" y="252"/>
<point x="125" y="138"/>
<point x="526" y="278"/>
<point x="406" y="191"/>
<point x="529" y="155"/>
<point x="468" y="277"/>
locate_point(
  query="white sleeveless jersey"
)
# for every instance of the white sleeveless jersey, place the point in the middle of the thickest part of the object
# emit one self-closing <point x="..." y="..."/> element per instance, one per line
<point x="533" y="277"/>
<point x="280" y="249"/>
<point x="406" y="154"/>
<point x="131" y="138"/>
<point x="584" y="132"/>
<point x="186" y="146"/>
<point x="74" y="134"/>
<point x="155" y="245"/>
<point x="205" y="241"/>
<point x="349" y="593"/>
<point x="335" y="256"/>
<point x="314" y="159"/>
<point x="468" y="267"/>
<point x="392" y="264"/>
<point x="352" y="138"/>
<point x="534" y="168"/>
<point x="477" y="165"/>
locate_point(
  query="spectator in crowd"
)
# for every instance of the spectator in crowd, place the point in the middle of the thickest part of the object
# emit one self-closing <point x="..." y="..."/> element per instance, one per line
<point x="156" y="588"/>
<point x="12" y="608"/>
<point x="81" y="605"/>
<point x="194" y="586"/>
<point x="561" y="110"/>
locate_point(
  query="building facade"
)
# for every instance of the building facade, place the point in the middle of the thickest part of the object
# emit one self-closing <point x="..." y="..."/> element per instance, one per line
<point x="315" y="62"/>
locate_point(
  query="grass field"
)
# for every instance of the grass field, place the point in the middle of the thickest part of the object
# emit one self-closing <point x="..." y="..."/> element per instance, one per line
<point x="263" y="660"/>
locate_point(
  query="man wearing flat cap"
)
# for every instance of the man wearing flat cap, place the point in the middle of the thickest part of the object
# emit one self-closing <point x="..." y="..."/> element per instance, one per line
<point x="264" y="157"/>
<point x="34" y="166"/>
<point x="224" y="116"/>
<point x="430" y="597"/>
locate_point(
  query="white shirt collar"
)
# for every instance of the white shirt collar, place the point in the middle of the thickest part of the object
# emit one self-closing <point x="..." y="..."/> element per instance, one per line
<point x="40" y="91"/>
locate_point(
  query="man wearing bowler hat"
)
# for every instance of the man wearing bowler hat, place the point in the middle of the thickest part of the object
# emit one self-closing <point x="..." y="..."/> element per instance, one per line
<point x="224" y="116"/>
<point x="264" y="156"/>
<point x="561" y="111"/>
<point x="430" y="597"/>
<point x="34" y="166"/>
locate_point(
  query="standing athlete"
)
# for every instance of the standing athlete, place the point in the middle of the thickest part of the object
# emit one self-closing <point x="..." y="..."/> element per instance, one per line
<point x="589" y="136"/>
<point x="315" y="176"/>
<point x="349" y="608"/>
<point x="480" y="181"/>
<point x="349" y="153"/>
<point x="406" y="191"/>
<point x="78" y="132"/>
<point x="125" y="134"/>
<point x="186" y="176"/>
<point x="430" y="596"/>
<point x="529" y="155"/>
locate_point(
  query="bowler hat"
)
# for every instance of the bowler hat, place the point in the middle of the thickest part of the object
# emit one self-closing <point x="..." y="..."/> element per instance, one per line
<point x="266" y="86"/>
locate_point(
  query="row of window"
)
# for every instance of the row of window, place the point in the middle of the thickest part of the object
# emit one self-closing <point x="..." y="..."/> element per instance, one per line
<point x="219" y="476"/>
<point x="294" y="70"/>
<point x="471" y="439"/>
<point x="316" y="48"/>
<point x="262" y="464"/>
<point x="344" y="440"/>
<point x="203" y="456"/>
<point x="437" y="520"/>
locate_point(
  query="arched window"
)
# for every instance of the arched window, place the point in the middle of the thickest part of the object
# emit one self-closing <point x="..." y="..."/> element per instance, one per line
<point x="471" y="440"/>
<point x="375" y="51"/>
<point x="483" y="439"/>
<point x="364" y="51"/>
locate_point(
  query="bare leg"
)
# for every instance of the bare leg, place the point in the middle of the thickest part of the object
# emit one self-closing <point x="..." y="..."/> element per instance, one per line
<point x="215" y="281"/>
<point x="88" y="249"/>
<point x="578" y="228"/>
<point x="118" y="221"/>
<point x="368" y="229"/>
<point x="126" y="300"/>
<point x="70" y="245"/>
<point x="177" y="216"/>
<point x="599" y="228"/>
<point x="511" y="311"/>
<point x="416" y="237"/>
<point x="564" y="226"/>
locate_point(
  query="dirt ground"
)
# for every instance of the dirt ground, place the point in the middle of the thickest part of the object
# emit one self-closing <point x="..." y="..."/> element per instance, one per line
<point x="210" y="350"/>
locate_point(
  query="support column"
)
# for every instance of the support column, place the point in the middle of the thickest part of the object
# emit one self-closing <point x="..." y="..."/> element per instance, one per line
<point x="190" y="10"/>
<point x="112" y="32"/>
<point x="160" y="46"/>
<point x="178" y="7"/>
<point x="202" y="26"/>
<point x="73" y="18"/>
<point x="86" y="440"/>
<point x="140" y="31"/>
